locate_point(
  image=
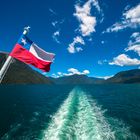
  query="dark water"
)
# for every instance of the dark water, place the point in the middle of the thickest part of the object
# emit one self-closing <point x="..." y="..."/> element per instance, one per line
<point x="87" y="112"/>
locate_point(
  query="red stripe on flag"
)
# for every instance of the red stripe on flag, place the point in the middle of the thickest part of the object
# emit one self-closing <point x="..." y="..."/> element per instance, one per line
<point x="25" y="56"/>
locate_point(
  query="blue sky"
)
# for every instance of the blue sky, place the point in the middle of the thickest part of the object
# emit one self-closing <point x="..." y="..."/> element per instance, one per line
<point x="94" y="37"/>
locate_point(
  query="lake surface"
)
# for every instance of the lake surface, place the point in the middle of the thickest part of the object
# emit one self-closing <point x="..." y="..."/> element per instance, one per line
<point x="84" y="112"/>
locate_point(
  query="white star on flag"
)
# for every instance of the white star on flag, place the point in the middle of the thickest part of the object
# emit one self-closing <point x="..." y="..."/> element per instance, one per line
<point x="24" y="41"/>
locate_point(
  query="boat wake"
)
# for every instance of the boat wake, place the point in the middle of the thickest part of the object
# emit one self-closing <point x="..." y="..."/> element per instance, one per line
<point x="81" y="118"/>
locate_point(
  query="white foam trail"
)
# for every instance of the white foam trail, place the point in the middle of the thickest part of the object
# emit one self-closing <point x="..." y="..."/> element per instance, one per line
<point x="54" y="129"/>
<point x="81" y="118"/>
<point x="91" y="123"/>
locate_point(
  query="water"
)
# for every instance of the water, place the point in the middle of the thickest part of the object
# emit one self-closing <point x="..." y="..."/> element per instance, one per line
<point x="87" y="112"/>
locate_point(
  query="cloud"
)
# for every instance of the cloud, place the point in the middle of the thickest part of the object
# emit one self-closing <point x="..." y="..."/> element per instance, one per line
<point x="44" y="73"/>
<point x="96" y="4"/>
<point x="101" y="62"/>
<point x="57" y="33"/>
<point x="54" y="23"/>
<point x="130" y="19"/>
<point x="135" y="34"/>
<point x="134" y="43"/>
<point x="55" y="36"/>
<point x="52" y="11"/>
<point x="87" y="23"/>
<point x="72" y="46"/>
<point x="57" y="24"/>
<point x="133" y="14"/>
<point x="78" y="49"/>
<point x="86" y="72"/>
<point x="71" y="71"/>
<point x="59" y="74"/>
<point x="75" y="71"/>
<point x="55" y="76"/>
<point x="102" y="42"/>
<point x="105" y="77"/>
<point x="83" y="14"/>
<point x="124" y="60"/>
<point x="135" y="48"/>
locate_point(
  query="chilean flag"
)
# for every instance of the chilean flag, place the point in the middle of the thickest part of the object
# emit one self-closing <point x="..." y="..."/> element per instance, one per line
<point x="28" y="52"/>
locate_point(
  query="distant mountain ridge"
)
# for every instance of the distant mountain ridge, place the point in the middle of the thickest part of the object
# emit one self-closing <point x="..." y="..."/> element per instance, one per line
<point x="77" y="79"/>
<point x="20" y="73"/>
<point x="130" y="76"/>
<point x="126" y="77"/>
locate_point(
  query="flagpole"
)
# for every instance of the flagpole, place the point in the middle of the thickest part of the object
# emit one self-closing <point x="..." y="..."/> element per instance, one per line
<point x="9" y="59"/>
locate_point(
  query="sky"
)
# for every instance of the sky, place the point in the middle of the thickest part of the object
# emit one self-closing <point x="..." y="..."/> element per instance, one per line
<point x="98" y="38"/>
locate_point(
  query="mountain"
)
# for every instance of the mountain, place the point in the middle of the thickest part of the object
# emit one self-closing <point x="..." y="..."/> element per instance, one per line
<point x="130" y="76"/>
<point x="76" y="79"/>
<point x="20" y="73"/>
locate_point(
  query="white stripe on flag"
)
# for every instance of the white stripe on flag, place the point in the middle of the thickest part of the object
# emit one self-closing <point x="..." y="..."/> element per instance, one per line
<point x="41" y="54"/>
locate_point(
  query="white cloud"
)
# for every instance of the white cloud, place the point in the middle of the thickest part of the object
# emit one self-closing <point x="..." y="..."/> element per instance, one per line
<point x="59" y="73"/>
<point x="101" y="62"/>
<point x="54" y="23"/>
<point x="104" y="77"/>
<point x="124" y="60"/>
<point x="96" y="4"/>
<point x="52" y="11"/>
<point x="71" y="71"/>
<point x="79" y="39"/>
<point x="115" y="27"/>
<point x="133" y="14"/>
<point x="44" y="73"/>
<point x="83" y="14"/>
<point x="57" y="24"/>
<point x="57" y="33"/>
<point x="87" y="23"/>
<point x="55" y="36"/>
<point x="76" y="71"/>
<point x="86" y="72"/>
<point x="135" y="48"/>
<point x="55" y="76"/>
<point x="134" y="43"/>
<point x="67" y="74"/>
<point x="72" y="46"/>
<point x="135" y="34"/>
<point x="102" y="42"/>
<point x="78" y="49"/>
<point x="130" y="18"/>
<point x="107" y="77"/>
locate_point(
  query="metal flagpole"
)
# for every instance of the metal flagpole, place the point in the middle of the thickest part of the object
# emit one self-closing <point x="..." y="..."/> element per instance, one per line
<point x="9" y="59"/>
